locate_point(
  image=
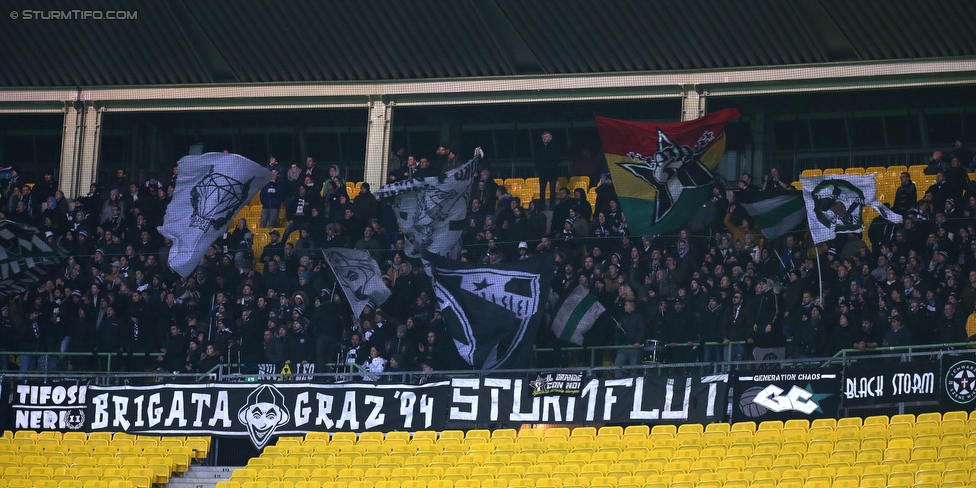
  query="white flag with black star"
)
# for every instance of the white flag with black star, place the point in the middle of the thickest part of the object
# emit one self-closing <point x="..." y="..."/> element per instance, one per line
<point x="492" y="313"/>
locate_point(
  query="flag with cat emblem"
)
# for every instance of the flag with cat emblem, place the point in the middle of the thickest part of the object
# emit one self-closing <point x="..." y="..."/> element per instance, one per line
<point x="210" y="189"/>
<point x="492" y="313"/>
<point x="359" y="277"/>
<point x="431" y="210"/>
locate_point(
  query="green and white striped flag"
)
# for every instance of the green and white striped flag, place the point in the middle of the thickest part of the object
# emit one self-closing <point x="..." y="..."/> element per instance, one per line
<point x="777" y="214"/>
<point x="576" y="315"/>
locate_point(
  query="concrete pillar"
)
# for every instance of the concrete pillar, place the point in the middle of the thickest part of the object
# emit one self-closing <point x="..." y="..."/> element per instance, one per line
<point x="692" y="103"/>
<point x="70" y="135"/>
<point x="378" y="141"/>
<point x="88" y="148"/>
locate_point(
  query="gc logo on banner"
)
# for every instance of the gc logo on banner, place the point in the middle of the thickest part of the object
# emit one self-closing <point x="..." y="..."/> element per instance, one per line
<point x="786" y="394"/>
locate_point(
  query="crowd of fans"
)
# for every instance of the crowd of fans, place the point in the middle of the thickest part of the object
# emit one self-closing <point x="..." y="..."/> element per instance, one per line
<point x="724" y="293"/>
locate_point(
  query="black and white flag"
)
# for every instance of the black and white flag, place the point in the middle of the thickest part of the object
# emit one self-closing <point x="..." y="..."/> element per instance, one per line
<point x="25" y="257"/>
<point x="491" y="312"/>
<point x="431" y="210"/>
<point x="210" y="189"/>
<point x="835" y="204"/>
<point x="359" y="276"/>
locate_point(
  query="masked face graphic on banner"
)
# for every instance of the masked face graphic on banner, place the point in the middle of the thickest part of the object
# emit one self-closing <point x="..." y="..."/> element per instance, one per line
<point x="264" y="412"/>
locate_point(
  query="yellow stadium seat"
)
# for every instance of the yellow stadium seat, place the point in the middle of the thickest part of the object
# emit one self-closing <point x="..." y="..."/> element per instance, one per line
<point x="957" y="415"/>
<point x="854" y="171"/>
<point x="929" y="417"/>
<point x="578" y="182"/>
<point x="901" y="479"/>
<point x="883" y="469"/>
<point x="451" y="436"/>
<point x="748" y="426"/>
<point x="906" y="418"/>
<point x="663" y="429"/>
<point x="368" y="437"/>
<point x="611" y="431"/>
<point x="514" y="183"/>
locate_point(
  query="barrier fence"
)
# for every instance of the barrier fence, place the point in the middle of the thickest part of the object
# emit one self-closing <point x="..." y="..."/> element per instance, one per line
<point x="592" y="394"/>
<point x="593" y="358"/>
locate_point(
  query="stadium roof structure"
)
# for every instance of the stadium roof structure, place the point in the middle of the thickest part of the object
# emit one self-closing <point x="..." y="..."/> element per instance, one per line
<point x="180" y="42"/>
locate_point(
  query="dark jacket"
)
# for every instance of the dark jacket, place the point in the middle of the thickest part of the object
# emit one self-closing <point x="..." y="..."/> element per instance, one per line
<point x="547" y="158"/>
<point x="109" y="335"/>
<point x="810" y="337"/>
<point x="905" y="198"/>
<point x="299" y="347"/>
<point x="274" y="352"/>
<point x="274" y="193"/>
<point x="366" y="206"/>
<point x="900" y="337"/>
<point x="29" y="335"/>
<point x="948" y="331"/>
<point x="631" y="330"/>
<point x="842" y="338"/>
<point x="736" y="327"/>
<point x="680" y="327"/>
<point x="710" y="324"/>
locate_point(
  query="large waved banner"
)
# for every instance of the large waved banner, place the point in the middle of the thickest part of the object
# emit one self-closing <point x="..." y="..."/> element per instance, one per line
<point x="835" y="203"/>
<point x="491" y="311"/>
<point x="359" y="277"/>
<point x="25" y="257"/>
<point x="662" y="171"/>
<point x="263" y="411"/>
<point x="210" y="189"/>
<point x="431" y="210"/>
<point x="785" y="394"/>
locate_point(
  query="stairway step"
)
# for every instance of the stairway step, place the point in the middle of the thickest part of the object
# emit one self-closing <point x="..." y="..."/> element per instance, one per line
<point x="202" y="477"/>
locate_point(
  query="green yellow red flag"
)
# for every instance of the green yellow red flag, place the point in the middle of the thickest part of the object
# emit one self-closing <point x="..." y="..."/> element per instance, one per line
<point x="662" y="172"/>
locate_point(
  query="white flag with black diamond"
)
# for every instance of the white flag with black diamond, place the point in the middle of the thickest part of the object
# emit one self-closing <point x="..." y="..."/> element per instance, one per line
<point x="210" y="189"/>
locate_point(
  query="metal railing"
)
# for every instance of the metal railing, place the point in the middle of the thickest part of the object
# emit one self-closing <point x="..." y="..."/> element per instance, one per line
<point x="104" y="379"/>
<point x="598" y="362"/>
<point x="54" y="359"/>
<point x="845" y="355"/>
<point x="598" y="350"/>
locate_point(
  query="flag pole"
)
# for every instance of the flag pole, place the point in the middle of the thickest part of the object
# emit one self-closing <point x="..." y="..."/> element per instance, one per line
<point x="781" y="262"/>
<point x="819" y="273"/>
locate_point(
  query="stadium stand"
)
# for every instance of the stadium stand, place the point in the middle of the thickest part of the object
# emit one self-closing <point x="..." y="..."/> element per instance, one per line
<point x="96" y="460"/>
<point x="916" y="451"/>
